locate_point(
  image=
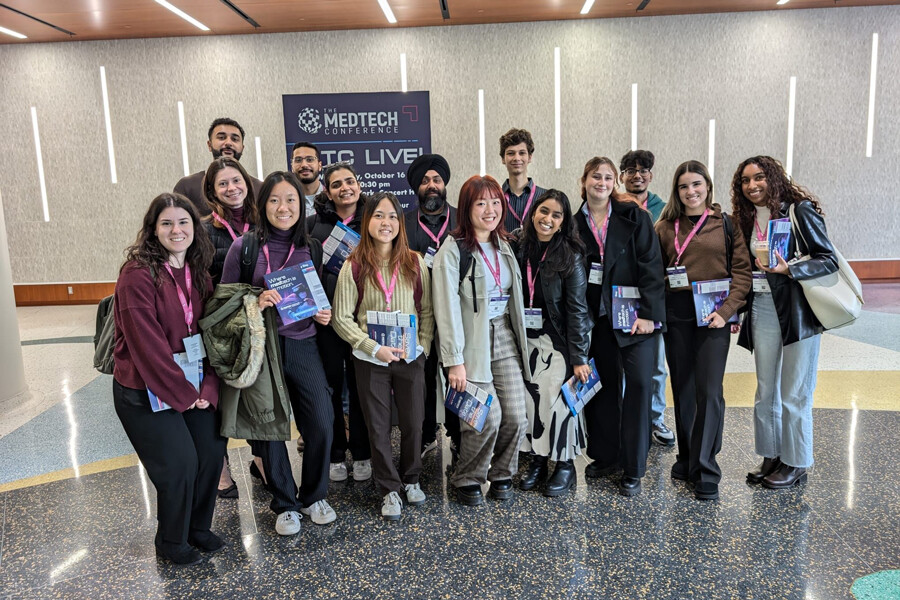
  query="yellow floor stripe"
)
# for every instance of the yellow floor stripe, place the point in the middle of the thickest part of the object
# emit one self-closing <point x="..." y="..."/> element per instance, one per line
<point x="864" y="390"/>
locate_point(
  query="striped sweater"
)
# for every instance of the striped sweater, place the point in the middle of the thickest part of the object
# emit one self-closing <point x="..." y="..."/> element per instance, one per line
<point x="352" y="328"/>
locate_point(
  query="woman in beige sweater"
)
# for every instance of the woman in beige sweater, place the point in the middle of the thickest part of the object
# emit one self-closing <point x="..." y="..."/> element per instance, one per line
<point x="384" y="275"/>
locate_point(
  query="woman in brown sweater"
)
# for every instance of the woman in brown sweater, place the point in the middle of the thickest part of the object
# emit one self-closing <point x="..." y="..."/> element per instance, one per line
<point x="699" y="244"/>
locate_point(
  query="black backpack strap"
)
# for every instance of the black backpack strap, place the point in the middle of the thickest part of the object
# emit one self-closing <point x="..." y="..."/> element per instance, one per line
<point x="249" y="256"/>
<point x="729" y="240"/>
<point x="466" y="262"/>
<point x="315" y="253"/>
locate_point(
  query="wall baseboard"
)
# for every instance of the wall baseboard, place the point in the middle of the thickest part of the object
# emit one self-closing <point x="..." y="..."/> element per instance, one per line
<point x="44" y="294"/>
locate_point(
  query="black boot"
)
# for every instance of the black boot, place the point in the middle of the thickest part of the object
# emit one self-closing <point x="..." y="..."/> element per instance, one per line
<point x="768" y="466"/>
<point x="537" y="472"/>
<point x="562" y="480"/>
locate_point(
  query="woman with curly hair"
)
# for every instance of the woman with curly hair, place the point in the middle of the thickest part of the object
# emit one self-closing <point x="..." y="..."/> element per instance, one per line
<point x="780" y="327"/>
<point x="160" y="295"/>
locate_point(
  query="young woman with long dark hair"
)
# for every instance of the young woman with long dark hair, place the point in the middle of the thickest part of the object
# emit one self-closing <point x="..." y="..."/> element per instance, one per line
<point x="283" y="243"/>
<point x="621" y="251"/>
<point x="392" y="278"/>
<point x="699" y="244"/>
<point x="160" y="295"/>
<point x="558" y="328"/>
<point x="480" y="317"/>
<point x="780" y="327"/>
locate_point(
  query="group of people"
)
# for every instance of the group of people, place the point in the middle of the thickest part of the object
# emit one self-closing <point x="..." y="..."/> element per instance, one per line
<point x="512" y="291"/>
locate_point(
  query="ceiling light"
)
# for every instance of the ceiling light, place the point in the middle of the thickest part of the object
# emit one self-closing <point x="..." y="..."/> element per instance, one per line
<point x="388" y="13"/>
<point x="587" y="6"/>
<point x="15" y="34"/>
<point x="780" y="2"/>
<point x="183" y="15"/>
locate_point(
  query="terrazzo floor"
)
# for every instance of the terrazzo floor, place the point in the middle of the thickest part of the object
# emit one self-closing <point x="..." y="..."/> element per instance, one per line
<point x="77" y="513"/>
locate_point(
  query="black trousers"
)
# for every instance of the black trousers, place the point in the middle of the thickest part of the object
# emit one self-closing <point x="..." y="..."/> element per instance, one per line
<point x="182" y="453"/>
<point x="696" y="357"/>
<point x="376" y="382"/>
<point x="429" y="424"/>
<point x="337" y="356"/>
<point x="618" y="427"/>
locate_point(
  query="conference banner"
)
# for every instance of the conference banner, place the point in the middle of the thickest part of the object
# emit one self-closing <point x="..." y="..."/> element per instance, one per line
<point x="380" y="134"/>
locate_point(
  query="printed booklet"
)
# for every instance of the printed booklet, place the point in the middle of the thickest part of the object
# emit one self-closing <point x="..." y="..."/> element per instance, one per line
<point x="709" y="296"/>
<point x="779" y="240"/>
<point x="302" y="294"/>
<point x="577" y="394"/>
<point x="395" y="330"/>
<point x="626" y="300"/>
<point x="338" y="247"/>
<point x="193" y="372"/>
<point x="471" y="406"/>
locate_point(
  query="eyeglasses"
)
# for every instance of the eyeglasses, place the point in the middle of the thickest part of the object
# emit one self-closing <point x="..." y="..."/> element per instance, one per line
<point x="305" y="159"/>
<point x="633" y="172"/>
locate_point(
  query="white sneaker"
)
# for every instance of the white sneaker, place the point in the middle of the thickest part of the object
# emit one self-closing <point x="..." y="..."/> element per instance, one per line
<point x="337" y="472"/>
<point x="414" y="494"/>
<point x="288" y="523"/>
<point x="362" y="470"/>
<point x="392" y="506"/>
<point x="320" y="513"/>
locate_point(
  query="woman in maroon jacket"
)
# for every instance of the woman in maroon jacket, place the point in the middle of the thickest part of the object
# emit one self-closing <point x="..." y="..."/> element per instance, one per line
<point x="164" y="392"/>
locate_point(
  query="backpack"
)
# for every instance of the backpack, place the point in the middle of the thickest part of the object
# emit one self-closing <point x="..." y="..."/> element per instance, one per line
<point x="105" y="336"/>
<point x="417" y="291"/>
<point x="250" y="254"/>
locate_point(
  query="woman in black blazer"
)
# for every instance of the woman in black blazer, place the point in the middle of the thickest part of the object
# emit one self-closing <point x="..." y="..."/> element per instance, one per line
<point x="622" y="252"/>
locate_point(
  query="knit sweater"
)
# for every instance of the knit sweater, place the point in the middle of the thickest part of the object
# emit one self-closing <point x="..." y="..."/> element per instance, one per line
<point x="705" y="257"/>
<point x="353" y="328"/>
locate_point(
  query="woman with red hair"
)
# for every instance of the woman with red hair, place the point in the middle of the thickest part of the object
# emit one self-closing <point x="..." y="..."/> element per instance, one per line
<point x="480" y="316"/>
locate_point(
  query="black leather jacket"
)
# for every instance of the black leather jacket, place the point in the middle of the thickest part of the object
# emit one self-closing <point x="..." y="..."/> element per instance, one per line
<point x="567" y="309"/>
<point x="794" y="314"/>
<point x="632" y="258"/>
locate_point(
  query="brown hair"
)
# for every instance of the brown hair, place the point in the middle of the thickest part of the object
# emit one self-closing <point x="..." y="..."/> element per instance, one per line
<point x="591" y="166"/>
<point x="209" y="192"/>
<point x="673" y="209"/>
<point x="365" y="253"/>
<point x="473" y="189"/>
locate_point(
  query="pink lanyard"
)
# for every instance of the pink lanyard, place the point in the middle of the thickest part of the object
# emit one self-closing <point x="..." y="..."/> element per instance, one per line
<point x="532" y="280"/>
<point x="348" y="219"/>
<point x="436" y="238"/>
<point x="679" y="248"/>
<point x="186" y="305"/>
<point x="268" y="266"/>
<point x="527" y="204"/>
<point x="759" y="234"/>
<point x="599" y="237"/>
<point x="494" y="271"/>
<point x="228" y="226"/>
<point x="388" y="291"/>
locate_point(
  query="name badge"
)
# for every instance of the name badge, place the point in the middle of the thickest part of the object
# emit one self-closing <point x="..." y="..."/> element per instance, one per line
<point x="497" y="306"/>
<point x="429" y="257"/>
<point x="760" y="283"/>
<point x="533" y="318"/>
<point x="678" y="277"/>
<point x="596" y="274"/>
<point x="193" y="347"/>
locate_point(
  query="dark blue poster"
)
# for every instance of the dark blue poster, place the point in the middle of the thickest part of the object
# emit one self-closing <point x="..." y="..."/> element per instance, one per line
<point x="380" y="134"/>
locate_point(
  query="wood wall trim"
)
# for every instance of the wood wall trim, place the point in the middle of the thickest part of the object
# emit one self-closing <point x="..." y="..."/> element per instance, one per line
<point x="44" y="294"/>
<point x="877" y="271"/>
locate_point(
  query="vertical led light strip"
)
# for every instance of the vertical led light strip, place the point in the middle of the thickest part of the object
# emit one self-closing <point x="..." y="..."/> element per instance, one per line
<point x="792" y="104"/>
<point x="557" y="133"/>
<point x="181" y="129"/>
<point x="109" y="138"/>
<point x="873" y="75"/>
<point x="259" y="171"/>
<point x="711" y="161"/>
<point x="403" y="87"/>
<point x="483" y="168"/>
<point x="634" y="116"/>
<point x="40" y="163"/>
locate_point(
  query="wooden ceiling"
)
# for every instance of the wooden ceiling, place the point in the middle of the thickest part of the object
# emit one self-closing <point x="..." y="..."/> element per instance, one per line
<point x="78" y="20"/>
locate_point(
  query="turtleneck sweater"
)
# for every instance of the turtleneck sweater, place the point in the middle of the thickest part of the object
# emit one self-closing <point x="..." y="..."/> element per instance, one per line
<point x="278" y="246"/>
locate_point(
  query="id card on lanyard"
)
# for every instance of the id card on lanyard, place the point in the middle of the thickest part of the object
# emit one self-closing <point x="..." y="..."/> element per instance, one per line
<point x="533" y="317"/>
<point x="595" y="276"/>
<point x="496" y="304"/>
<point x="760" y="283"/>
<point x="431" y="251"/>
<point x="193" y="344"/>
<point x="678" y="274"/>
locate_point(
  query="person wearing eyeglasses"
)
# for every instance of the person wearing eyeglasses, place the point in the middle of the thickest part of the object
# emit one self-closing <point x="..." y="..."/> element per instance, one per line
<point x="306" y="163"/>
<point x="636" y="169"/>
<point x="516" y="149"/>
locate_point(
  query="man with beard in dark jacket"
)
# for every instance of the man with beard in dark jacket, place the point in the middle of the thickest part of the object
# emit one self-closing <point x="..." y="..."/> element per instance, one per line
<point x="426" y="228"/>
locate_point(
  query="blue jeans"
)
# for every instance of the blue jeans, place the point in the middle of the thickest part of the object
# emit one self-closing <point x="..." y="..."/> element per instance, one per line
<point x="785" y="381"/>
<point x="658" y="385"/>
